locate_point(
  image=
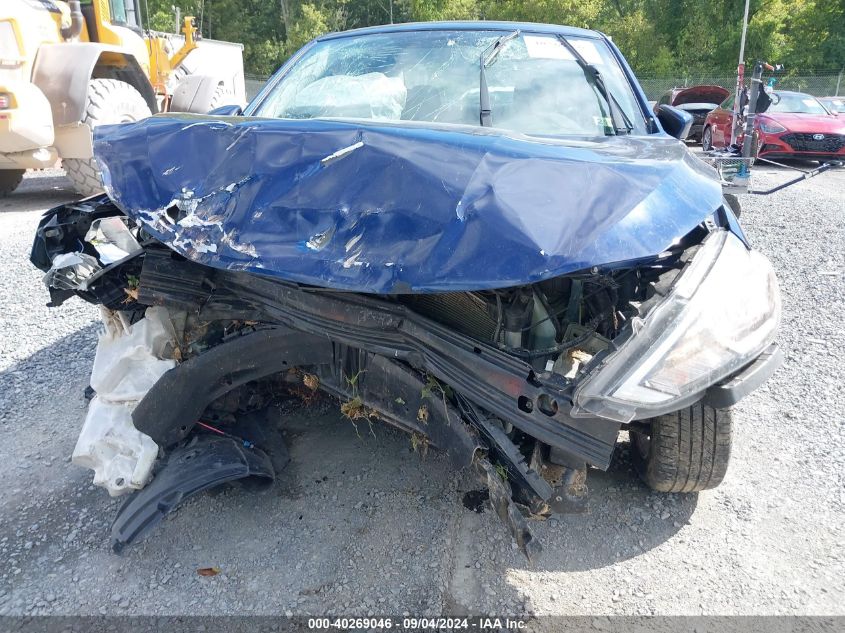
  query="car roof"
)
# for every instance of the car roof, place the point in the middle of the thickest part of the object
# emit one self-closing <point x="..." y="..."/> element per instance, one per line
<point x="793" y="92"/>
<point x="478" y="25"/>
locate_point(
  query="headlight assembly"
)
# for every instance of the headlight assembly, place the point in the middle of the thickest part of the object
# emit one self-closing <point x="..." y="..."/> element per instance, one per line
<point x="721" y="314"/>
<point x="772" y="127"/>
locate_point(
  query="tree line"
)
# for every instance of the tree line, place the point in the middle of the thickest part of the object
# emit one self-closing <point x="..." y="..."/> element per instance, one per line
<point x="659" y="37"/>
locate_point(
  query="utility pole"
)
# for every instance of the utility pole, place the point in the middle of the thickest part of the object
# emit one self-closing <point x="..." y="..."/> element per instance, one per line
<point x="740" y="75"/>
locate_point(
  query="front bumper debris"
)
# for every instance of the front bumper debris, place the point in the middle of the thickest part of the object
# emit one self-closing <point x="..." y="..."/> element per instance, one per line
<point x="192" y="348"/>
<point x="728" y="392"/>
<point x="202" y="463"/>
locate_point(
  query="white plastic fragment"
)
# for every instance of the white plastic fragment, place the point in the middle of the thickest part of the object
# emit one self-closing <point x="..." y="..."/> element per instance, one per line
<point x="112" y="239"/>
<point x="128" y="362"/>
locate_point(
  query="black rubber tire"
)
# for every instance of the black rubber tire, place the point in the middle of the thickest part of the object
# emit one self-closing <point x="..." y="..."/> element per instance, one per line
<point x="684" y="451"/>
<point x="9" y="180"/>
<point x="733" y="203"/>
<point x="109" y="101"/>
<point x="707" y="139"/>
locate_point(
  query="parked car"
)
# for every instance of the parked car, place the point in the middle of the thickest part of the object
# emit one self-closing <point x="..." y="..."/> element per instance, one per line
<point x="476" y="232"/>
<point x="834" y="104"/>
<point x="796" y="125"/>
<point x="699" y="101"/>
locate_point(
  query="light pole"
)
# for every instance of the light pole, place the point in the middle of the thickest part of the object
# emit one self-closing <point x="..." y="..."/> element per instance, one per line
<point x="740" y="75"/>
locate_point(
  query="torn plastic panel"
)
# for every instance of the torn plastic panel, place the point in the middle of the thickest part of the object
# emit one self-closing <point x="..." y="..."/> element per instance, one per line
<point x="171" y="407"/>
<point x="75" y="265"/>
<point x="204" y="462"/>
<point x="386" y="208"/>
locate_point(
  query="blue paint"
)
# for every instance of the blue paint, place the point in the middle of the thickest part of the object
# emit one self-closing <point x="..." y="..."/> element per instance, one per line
<point x="416" y="208"/>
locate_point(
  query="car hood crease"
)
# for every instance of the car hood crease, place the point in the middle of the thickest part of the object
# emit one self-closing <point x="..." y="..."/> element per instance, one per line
<point x="397" y="208"/>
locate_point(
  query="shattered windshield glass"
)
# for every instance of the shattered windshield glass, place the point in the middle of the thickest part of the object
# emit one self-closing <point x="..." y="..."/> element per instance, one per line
<point x="536" y="87"/>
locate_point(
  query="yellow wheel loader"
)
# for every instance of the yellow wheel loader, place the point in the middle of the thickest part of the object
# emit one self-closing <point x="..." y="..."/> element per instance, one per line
<point x="67" y="66"/>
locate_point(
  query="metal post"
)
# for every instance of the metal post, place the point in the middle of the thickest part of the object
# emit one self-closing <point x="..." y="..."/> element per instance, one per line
<point x="754" y="92"/>
<point x="838" y="81"/>
<point x="740" y="75"/>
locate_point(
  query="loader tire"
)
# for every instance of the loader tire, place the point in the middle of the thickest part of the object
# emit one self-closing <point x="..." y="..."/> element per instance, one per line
<point x="109" y="101"/>
<point x="222" y="96"/>
<point x="684" y="451"/>
<point x="9" y="180"/>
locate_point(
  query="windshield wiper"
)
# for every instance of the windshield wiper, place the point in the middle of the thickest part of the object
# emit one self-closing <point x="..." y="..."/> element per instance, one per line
<point x="621" y="123"/>
<point x="487" y="56"/>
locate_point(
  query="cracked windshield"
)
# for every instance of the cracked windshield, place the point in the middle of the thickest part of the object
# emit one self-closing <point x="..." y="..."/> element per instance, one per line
<point x="535" y="84"/>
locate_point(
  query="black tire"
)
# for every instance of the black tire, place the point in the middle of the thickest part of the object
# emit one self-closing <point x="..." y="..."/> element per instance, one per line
<point x="707" y="139"/>
<point x="9" y="180"/>
<point x="733" y="203"/>
<point x="684" y="451"/>
<point x="109" y="101"/>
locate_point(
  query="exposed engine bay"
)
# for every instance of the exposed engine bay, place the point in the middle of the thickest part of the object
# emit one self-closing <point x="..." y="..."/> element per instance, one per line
<point x="190" y="354"/>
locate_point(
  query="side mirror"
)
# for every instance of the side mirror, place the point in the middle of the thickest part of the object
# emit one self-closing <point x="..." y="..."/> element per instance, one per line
<point x="676" y="122"/>
<point x="227" y="110"/>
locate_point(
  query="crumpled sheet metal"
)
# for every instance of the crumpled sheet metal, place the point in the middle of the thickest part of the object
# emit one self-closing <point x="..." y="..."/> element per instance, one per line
<point x="390" y="208"/>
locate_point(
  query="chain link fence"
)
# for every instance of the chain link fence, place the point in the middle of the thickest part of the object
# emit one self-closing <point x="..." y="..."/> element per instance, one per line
<point x="820" y="84"/>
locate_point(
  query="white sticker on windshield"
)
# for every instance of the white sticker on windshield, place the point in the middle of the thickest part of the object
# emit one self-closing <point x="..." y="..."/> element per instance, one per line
<point x="588" y="51"/>
<point x="541" y="47"/>
<point x="811" y="103"/>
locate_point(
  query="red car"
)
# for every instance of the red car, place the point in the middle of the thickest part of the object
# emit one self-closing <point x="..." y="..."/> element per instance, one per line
<point x="796" y="125"/>
<point x="697" y="100"/>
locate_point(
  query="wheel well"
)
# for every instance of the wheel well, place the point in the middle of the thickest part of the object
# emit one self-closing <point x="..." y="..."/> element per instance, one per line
<point x="125" y="68"/>
<point x="62" y="72"/>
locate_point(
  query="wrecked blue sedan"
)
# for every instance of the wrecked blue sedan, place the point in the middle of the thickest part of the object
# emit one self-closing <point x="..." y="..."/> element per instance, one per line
<point x="476" y="232"/>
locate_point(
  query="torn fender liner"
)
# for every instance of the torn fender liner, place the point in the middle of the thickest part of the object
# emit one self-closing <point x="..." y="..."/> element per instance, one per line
<point x="400" y="207"/>
<point x="170" y="409"/>
<point x="206" y="461"/>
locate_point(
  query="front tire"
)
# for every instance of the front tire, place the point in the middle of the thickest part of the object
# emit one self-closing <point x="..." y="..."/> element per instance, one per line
<point x="9" y="180"/>
<point x="707" y="139"/>
<point x="109" y="101"/>
<point x="684" y="451"/>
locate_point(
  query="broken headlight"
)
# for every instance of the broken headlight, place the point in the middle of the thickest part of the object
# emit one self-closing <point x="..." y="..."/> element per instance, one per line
<point x="720" y="315"/>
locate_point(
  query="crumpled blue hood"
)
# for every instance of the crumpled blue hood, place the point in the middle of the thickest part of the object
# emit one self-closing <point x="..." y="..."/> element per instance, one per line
<point x="390" y="208"/>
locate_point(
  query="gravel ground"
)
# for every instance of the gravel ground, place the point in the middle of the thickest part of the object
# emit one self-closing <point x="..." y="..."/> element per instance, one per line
<point x="369" y="527"/>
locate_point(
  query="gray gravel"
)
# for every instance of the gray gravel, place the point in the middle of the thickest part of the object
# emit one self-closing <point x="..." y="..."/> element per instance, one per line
<point x="369" y="527"/>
